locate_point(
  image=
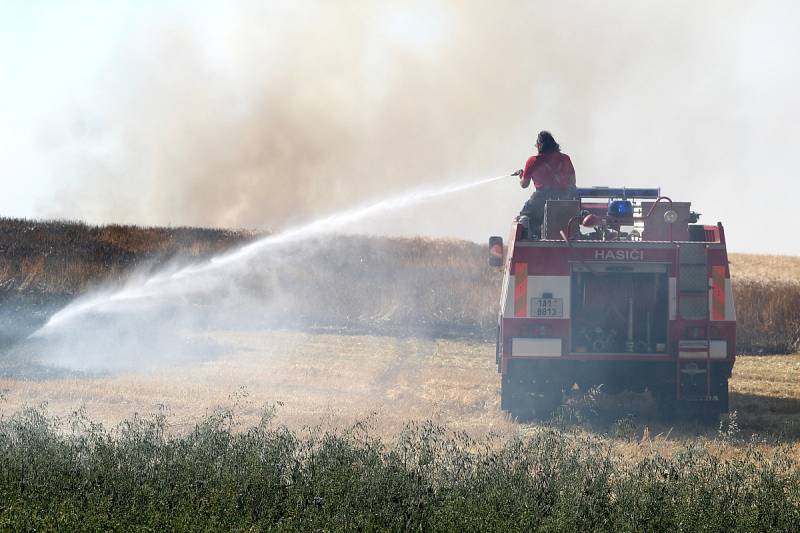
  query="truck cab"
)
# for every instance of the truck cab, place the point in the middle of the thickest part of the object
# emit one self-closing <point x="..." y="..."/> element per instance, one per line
<point x="623" y="290"/>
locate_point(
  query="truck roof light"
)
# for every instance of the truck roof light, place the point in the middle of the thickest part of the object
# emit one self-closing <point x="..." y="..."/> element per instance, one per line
<point x="496" y="251"/>
<point x="618" y="192"/>
<point x="620" y="209"/>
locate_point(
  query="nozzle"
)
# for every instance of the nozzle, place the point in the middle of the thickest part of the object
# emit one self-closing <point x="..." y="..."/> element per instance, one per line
<point x="517" y="173"/>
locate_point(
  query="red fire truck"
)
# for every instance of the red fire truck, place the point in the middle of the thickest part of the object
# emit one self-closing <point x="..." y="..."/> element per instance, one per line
<point x="623" y="290"/>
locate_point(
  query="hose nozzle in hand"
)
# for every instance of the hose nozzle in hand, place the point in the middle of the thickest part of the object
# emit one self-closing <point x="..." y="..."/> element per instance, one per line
<point x="517" y="173"/>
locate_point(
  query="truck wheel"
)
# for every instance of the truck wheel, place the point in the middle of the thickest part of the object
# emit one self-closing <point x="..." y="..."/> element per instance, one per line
<point x="666" y="402"/>
<point x="546" y="399"/>
<point x="517" y="400"/>
<point x="506" y="395"/>
<point x="722" y="393"/>
<point x="712" y="411"/>
<point x="528" y="401"/>
<point x="707" y="413"/>
<point x="510" y="397"/>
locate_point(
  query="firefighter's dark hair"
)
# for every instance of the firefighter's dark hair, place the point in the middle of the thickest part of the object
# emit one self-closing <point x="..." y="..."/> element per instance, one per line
<point x="546" y="143"/>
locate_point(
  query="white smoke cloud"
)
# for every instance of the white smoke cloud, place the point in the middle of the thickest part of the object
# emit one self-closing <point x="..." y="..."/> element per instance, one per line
<point x="264" y="114"/>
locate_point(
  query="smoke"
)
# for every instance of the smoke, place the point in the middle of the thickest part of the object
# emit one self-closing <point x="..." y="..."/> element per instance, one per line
<point x="291" y="113"/>
<point x="267" y="114"/>
<point x="154" y="319"/>
<point x="262" y="114"/>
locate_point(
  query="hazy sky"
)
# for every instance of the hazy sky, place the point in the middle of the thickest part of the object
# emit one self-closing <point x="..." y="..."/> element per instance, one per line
<point x="261" y="114"/>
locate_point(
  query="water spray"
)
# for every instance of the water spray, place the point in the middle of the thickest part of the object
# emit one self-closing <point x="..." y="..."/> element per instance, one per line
<point x="177" y="283"/>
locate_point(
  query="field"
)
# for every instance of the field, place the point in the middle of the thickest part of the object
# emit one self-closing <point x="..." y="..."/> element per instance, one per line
<point x="339" y="380"/>
<point x="417" y="284"/>
<point x="376" y="408"/>
<point x="301" y="431"/>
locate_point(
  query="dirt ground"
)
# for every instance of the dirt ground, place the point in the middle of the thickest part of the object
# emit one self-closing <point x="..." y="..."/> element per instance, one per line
<point x="338" y="380"/>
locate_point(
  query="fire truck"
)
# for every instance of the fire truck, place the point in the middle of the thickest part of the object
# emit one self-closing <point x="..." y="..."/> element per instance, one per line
<point x="623" y="290"/>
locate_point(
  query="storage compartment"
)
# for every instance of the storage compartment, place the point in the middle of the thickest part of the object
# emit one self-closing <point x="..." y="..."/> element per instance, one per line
<point x="557" y="214"/>
<point x="619" y="309"/>
<point x="657" y="229"/>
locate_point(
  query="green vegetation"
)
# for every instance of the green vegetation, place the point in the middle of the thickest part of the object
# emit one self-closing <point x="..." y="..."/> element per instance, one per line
<point x="75" y="475"/>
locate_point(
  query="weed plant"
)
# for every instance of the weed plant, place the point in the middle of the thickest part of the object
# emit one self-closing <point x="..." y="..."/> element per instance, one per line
<point x="73" y="475"/>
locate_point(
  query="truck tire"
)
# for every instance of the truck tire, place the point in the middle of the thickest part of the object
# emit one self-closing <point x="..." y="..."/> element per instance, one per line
<point x="546" y="399"/>
<point x="712" y="411"/>
<point x="722" y="393"/>
<point x="528" y="400"/>
<point x="702" y="412"/>
<point x="515" y="401"/>
<point x="666" y="401"/>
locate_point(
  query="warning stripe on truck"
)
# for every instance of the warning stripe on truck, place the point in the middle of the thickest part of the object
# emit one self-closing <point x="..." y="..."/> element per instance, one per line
<point x="521" y="290"/>
<point x="717" y="292"/>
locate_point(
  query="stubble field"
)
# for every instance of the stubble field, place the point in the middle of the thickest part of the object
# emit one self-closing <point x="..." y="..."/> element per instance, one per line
<point x="341" y="379"/>
<point x="294" y="431"/>
<point x="385" y="415"/>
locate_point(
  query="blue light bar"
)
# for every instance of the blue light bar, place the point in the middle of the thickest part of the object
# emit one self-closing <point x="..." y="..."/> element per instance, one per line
<point x="620" y="209"/>
<point x="618" y="192"/>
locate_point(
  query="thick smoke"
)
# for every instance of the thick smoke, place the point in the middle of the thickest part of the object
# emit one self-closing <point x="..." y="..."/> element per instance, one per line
<point x="267" y="114"/>
<point x="261" y="114"/>
<point x="291" y="112"/>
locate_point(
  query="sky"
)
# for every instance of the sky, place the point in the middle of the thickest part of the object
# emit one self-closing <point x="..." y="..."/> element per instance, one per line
<point x="267" y="114"/>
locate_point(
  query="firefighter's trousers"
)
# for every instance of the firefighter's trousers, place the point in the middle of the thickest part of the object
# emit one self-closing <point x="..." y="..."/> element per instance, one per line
<point x="534" y="207"/>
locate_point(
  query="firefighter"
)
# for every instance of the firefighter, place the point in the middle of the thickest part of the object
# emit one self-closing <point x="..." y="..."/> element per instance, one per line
<point x="552" y="175"/>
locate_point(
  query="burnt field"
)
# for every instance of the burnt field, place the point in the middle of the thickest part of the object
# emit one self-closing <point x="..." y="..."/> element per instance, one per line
<point x="361" y="283"/>
<point x="299" y="431"/>
<point x="373" y="403"/>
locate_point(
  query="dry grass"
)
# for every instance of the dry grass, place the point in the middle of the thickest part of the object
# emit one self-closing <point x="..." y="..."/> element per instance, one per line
<point x="766" y="391"/>
<point x="337" y="379"/>
<point x="386" y="385"/>
<point x="369" y="283"/>
<point x="62" y="257"/>
<point x="768" y="315"/>
<point x="340" y="379"/>
<point x="767" y="295"/>
<point x="785" y="268"/>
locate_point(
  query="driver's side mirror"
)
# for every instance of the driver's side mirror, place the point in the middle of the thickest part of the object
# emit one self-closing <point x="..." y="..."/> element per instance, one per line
<point x="495" y="251"/>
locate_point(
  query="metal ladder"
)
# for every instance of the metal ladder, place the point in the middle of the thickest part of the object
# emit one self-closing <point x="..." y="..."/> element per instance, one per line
<point x="692" y="304"/>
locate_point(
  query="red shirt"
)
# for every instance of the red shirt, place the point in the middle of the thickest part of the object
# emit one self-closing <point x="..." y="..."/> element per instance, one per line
<point x="550" y="170"/>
